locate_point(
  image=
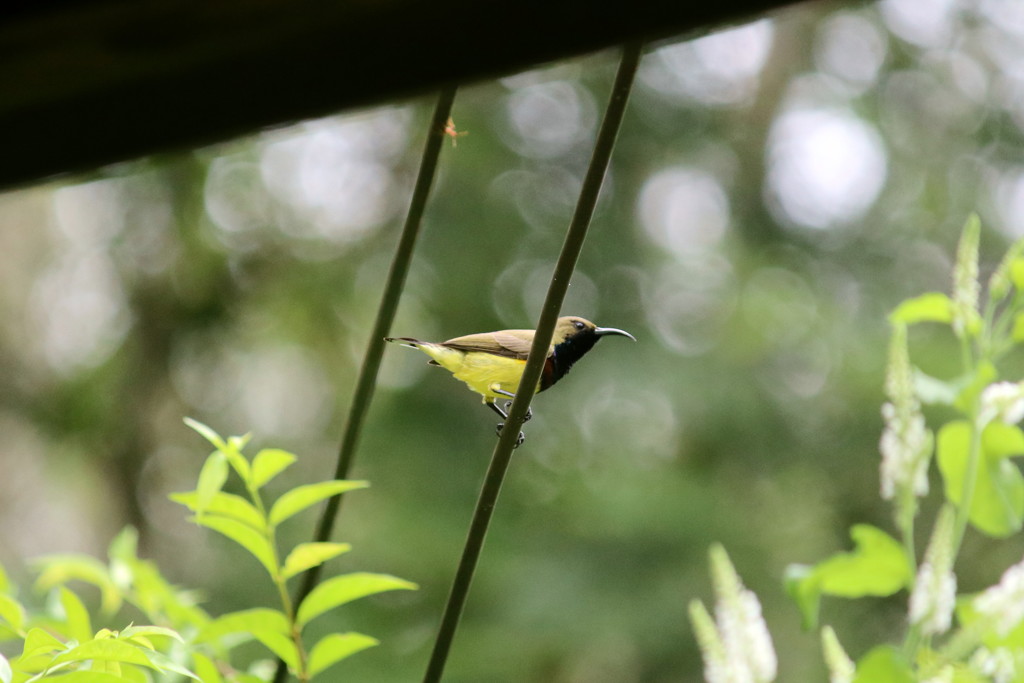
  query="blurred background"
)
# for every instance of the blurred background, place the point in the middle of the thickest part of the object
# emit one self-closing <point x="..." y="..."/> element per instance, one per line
<point x="777" y="188"/>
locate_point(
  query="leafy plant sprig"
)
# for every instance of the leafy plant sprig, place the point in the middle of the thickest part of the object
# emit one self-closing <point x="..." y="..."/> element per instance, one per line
<point x="982" y="488"/>
<point x="60" y="642"/>
<point x="252" y="524"/>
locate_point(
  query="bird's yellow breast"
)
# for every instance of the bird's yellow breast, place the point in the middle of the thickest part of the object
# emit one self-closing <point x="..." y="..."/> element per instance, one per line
<point x="482" y="372"/>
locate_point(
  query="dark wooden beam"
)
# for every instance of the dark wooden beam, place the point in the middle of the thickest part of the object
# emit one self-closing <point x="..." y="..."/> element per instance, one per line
<point x="84" y="83"/>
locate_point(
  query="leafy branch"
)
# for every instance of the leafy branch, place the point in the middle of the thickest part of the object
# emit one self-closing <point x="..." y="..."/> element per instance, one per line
<point x="252" y="524"/>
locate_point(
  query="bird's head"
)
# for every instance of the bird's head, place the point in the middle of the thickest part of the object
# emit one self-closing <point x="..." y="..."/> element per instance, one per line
<point x="579" y="330"/>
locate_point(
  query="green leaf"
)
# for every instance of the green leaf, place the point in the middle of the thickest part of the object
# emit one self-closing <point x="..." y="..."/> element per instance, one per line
<point x="268" y="463"/>
<point x="984" y="375"/>
<point x="225" y="505"/>
<point x="38" y="651"/>
<point x="301" y="497"/>
<point x="931" y="307"/>
<point x="997" y="502"/>
<point x="269" y="626"/>
<point x="162" y="663"/>
<point x="91" y="677"/>
<point x="5" y="670"/>
<point x="79" y="625"/>
<point x="1017" y="273"/>
<point x="281" y="645"/>
<point x="206" y="669"/>
<point x="245" y="536"/>
<point x="211" y="479"/>
<point x="335" y="647"/>
<point x="932" y="390"/>
<point x="346" y="588"/>
<point x="207" y="433"/>
<point x="877" y="567"/>
<point x="39" y="642"/>
<point x="805" y="592"/>
<point x="233" y="453"/>
<point x="56" y="570"/>
<point x="1018" y="328"/>
<point x="884" y="664"/>
<point x="306" y="555"/>
<point x="107" y="649"/>
<point x="146" y="631"/>
<point x="245" y="621"/>
<point x="12" y="613"/>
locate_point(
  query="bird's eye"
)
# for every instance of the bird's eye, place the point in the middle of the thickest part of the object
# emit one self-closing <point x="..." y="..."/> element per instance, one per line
<point x="578" y="325"/>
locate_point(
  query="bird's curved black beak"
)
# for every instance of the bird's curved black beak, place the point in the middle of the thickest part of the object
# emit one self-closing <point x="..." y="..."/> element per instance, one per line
<point x="602" y="331"/>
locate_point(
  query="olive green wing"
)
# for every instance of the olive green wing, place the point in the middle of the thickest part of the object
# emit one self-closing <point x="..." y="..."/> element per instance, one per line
<point x="508" y="343"/>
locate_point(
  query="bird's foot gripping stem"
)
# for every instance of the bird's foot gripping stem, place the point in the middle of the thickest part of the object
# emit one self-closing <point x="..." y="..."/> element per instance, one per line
<point x="526" y="418"/>
<point x="519" y="439"/>
<point x="508" y="404"/>
<point x="504" y="415"/>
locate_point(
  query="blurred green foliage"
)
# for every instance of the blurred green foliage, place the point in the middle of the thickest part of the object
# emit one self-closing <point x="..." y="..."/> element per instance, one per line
<point x="776" y="190"/>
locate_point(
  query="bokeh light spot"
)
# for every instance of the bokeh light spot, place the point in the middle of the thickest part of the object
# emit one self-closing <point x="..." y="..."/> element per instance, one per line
<point x="826" y="167"/>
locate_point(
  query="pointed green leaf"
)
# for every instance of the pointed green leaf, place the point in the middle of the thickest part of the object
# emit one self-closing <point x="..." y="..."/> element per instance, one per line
<point x="301" y="497"/>
<point x="997" y="503"/>
<point x="335" y="647"/>
<point x="225" y="505"/>
<point x="931" y="307"/>
<point x="884" y="664"/>
<point x="268" y="464"/>
<point x="211" y="479"/>
<point x="77" y="617"/>
<point x="39" y="642"/>
<point x="1017" y="273"/>
<point x="207" y="433"/>
<point x="245" y="536"/>
<point x="984" y="375"/>
<point x="12" y="613"/>
<point x="91" y="677"/>
<point x="805" y="592"/>
<point x="306" y="555"/>
<point x="107" y="649"/>
<point x="245" y="621"/>
<point x="162" y="663"/>
<point x="1000" y="440"/>
<point x="205" y="668"/>
<point x="1018" y="328"/>
<point x="346" y="588"/>
<point x="233" y="453"/>
<point x="38" y="651"/>
<point x="932" y="390"/>
<point x="239" y="677"/>
<point x="281" y="645"/>
<point x="146" y="631"/>
<point x="56" y="570"/>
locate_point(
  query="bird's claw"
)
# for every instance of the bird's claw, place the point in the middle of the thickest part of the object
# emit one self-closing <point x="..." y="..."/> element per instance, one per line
<point x="526" y="418"/>
<point x="519" y="439"/>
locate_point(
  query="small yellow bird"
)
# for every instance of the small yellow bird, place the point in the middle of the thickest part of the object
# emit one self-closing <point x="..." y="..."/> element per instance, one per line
<point x="492" y="363"/>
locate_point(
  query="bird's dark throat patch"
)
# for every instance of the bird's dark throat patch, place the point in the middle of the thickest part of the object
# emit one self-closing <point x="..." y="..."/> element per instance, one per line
<point x="565" y="355"/>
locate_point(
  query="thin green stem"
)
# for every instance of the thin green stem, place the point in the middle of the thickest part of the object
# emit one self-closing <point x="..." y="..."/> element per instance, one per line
<point x="367" y="380"/>
<point x="571" y="248"/>
<point x="963" y="510"/>
<point x="908" y="510"/>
